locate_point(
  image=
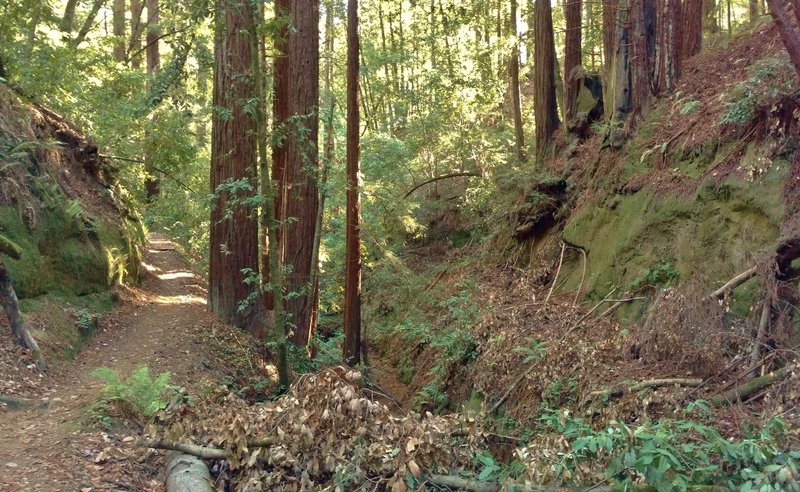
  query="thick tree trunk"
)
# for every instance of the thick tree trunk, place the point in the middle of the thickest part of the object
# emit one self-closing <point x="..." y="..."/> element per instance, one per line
<point x="610" y="48"/>
<point x="572" y="57"/>
<point x="789" y="34"/>
<point x="693" y="27"/>
<point x="118" y="21"/>
<point x="352" y="298"/>
<point x="137" y="28"/>
<point x="19" y="328"/>
<point x="546" y="107"/>
<point x="710" y="9"/>
<point x="153" y="33"/>
<point x="513" y="76"/>
<point x="642" y="14"/>
<point x="297" y="98"/>
<point x="669" y="41"/>
<point x="68" y="21"/>
<point x="753" y="10"/>
<point x="234" y="239"/>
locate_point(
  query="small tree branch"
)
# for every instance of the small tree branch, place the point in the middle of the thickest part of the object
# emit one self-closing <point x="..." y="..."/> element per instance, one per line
<point x="733" y="283"/>
<point x="438" y="178"/>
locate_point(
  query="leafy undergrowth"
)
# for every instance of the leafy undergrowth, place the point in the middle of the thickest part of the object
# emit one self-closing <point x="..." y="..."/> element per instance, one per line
<point x="328" y="433"/>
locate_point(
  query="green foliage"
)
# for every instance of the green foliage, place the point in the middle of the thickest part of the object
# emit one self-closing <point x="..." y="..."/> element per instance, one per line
<point x="768" y="80"/>
<point x="662" y="274"/>
<point x="690" y="106"/>
<point x="139" y="395"/>
<point x="535" y="351"/>
<point x="677" y="454"/>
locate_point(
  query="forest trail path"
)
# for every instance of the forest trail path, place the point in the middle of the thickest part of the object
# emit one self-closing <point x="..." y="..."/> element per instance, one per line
<point x="45" y="448"/>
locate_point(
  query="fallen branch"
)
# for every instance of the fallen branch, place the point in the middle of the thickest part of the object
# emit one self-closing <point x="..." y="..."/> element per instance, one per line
<point x="591" y="311"/>
<point x="733" y="283"/>
<point x="438" y="178"/>
<point x="555" y="280"/>
<point x="618" y="303"/>
<point x="10" y="248"/>
<point x="205" y="452"/>
<point x="653" y="383"/>
<point x="763" y="326"/>
<point x="748" y="389"/>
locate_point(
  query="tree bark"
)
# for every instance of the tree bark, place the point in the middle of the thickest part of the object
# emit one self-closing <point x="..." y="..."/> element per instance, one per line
<point x="19" y="327"/>
<point x="693" y="27"/>
<point x="642" y="18"/>
<point x="87" y="24"/>
<point x="187" y="473"/>
<point x="352" y="298"/>
<point x="234" y="238"/>
<point x="572" y="57"/>
<point x="137" y="27"/>
<point x="68" y="21"/>
<point x="118" y="21"/>
<point x="669" y="41"/>
<point x="610" y="48"/>
<point x="153" y="32"/>
<point x="789" y="34"/>
<point x="545" y="105"/>
<point x="297" y="120"/>
<point x="513" y="76"/>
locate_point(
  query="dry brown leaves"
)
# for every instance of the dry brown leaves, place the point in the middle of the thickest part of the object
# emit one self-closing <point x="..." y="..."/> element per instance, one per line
<point x="325" y="433"/>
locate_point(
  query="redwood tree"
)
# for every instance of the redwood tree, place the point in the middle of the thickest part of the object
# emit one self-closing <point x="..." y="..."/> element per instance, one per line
<point x="352" y="297"/>
<point x="295" y="157"/>
<point x="513" y="72"/>
<point x="692" y="27"/>
<point x="572" y="57"/>
<point x="234" y="235"/>
<point x="669" y="41"/>
<point x="545" y="105"/>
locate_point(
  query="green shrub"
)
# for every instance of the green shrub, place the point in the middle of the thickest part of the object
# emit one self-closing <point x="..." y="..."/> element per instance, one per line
<point x="138" y="396"/>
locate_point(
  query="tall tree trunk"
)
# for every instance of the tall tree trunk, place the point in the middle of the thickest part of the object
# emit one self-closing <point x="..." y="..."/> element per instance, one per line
<point x="137" y="28"/>
<point x="513" y="76"/>
<point x="788" y="33"/>
<point x="68" y="21"/>
<point x="642" y="22"/>
<point x="668" y="46"/>
<point x="753" y="10"/>
<point x="298" y="121"/>
<point x="572" y="57"/>
<point x="234" y="239"/>
<point x="693" y="27"/>
<point x="268" y="192"/>
<point x="617" y="100"/>
<point x="545" y="105"/>
<point x="118" y="20"/>
<point x="153" y="33"/>
<point x="352" y="297"/>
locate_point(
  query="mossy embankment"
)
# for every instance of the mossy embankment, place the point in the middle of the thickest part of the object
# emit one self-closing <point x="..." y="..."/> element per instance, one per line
<point x="60" y="202"/>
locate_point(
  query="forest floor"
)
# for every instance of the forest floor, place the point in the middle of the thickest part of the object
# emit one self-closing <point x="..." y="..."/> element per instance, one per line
<point x="163" y="324"/>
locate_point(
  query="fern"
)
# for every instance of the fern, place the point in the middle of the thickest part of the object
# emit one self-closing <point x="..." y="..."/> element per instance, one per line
<point x="138" y="392"/>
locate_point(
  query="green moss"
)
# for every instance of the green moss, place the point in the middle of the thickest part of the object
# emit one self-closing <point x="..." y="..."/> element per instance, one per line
<point x="29" y="274"/>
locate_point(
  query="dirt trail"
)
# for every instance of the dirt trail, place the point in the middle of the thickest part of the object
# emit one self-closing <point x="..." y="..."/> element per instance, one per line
<point x="159" y="324"/>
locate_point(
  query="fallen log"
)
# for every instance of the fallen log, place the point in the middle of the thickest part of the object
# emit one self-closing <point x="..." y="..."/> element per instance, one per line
<point x="205" y="452"/>
<point x="652" y="383"/>
<point x="188" y="473"/>
<point x="10" y="248"/>
<point x="19" y="327"/>
<point x="745" y="391"/>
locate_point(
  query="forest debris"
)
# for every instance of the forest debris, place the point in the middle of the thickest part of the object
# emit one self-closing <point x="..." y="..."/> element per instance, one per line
<point x="733" y="283"/>
<point x="745" y="391"/>
<point x="653" y="383"/>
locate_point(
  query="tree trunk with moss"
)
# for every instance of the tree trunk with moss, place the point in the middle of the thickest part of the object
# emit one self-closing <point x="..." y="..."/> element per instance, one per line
<point x="545" y="104"/>
<point x="8" y="298"/>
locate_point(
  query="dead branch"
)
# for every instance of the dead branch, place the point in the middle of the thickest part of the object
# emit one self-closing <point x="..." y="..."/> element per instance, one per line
<point x="653" y="383"/>
<point x="733" y="283"/>
<point x="745" y="391"/>
<point x="763" y="326"/>
<point x="555" y="280"/>
<point x="591" y="311"/>
<point x="618" y="303"/>
<point x="205" y="452"/>
<point x="438" y="178"/>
